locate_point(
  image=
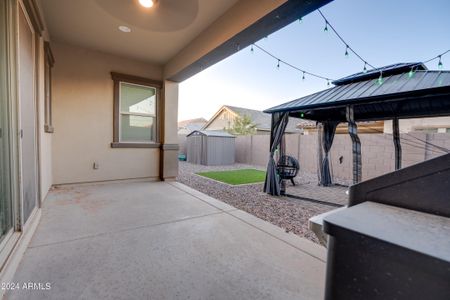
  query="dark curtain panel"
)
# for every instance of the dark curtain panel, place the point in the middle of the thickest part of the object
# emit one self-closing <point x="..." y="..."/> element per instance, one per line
<point x="397" y="144"/>
<point x="329" y="130"/>
<point x="279" y="123"/>
<point x="356" y="145"/>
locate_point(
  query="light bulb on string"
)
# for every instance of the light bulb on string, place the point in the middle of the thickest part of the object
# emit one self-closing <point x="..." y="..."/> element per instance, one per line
<point x="365" y="67"/>
<point x="411" y="72"/>
<point x="328" y="82"/>
<point x="251" y="49"/>
<point x="346" y="51"/>
<point x="326" y="27"/>
<point x="303" y="77"/>
<point x="278" y="64"/>
<point x="440" y="64"/>
<point x="380" y="79"/>
<point x="300" y="20"/>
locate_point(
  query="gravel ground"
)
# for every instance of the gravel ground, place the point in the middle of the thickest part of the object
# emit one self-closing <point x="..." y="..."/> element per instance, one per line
<point x="290" y="214"/>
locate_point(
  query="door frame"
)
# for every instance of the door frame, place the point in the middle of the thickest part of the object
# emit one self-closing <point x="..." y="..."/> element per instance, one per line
<point x="21" y="7"/>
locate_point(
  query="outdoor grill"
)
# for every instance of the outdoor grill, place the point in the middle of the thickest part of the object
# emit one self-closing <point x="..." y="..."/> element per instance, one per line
<point x="392" y="241"/>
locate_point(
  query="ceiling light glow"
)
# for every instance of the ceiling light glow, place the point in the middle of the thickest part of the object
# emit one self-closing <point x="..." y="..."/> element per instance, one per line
<point x="124" y="29"/>
<point x="146" y="3"/>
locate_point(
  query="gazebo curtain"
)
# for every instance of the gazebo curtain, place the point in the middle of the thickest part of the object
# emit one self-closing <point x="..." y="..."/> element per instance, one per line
<point x="279" y="123"/>
<point x="329" y="130"/>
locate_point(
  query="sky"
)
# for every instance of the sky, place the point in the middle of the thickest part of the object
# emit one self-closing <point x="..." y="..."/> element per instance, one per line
<point x="383" y="32"/>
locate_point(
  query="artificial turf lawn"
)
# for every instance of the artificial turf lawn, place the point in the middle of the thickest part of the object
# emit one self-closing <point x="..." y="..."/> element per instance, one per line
<point x="236" y="177"/>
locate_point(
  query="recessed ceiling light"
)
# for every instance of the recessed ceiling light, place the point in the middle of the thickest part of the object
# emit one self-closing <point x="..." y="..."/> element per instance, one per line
<point x="124" y="28"/>
<point x="147" y="3"/>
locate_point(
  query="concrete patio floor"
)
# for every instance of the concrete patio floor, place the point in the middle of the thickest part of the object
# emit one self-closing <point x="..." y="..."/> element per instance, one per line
<point x="141" y="240"/>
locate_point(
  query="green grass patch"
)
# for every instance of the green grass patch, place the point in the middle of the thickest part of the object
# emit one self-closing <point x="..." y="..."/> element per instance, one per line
<point x="236" y="177"/>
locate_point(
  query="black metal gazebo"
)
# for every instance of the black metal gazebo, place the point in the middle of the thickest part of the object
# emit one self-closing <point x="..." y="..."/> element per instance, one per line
<point x="399" y="91"/>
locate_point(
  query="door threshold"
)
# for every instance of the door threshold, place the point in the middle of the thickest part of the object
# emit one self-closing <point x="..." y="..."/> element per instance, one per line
<point x="15" y="248"/>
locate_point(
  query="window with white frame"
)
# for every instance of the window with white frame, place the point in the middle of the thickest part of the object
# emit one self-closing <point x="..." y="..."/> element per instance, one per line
<point x="135" y="111"/>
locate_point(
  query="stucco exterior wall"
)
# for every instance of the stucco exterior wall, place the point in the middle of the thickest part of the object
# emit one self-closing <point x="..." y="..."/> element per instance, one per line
<point x="83" y="118"/>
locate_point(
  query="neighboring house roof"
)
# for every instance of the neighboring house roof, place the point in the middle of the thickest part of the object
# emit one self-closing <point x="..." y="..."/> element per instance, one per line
<point x="187" y="126"/>
<point x="260" y="119"/>
<point x="185" y="123"/>
<point x="215" y="133"/>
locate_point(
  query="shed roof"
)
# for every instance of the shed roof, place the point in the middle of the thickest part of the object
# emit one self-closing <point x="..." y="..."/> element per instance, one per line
<point x="215" y="133"/>
<point x="424" y="94"/>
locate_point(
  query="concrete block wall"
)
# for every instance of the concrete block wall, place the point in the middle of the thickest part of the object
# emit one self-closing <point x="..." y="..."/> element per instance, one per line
<point x="377" y="151"/>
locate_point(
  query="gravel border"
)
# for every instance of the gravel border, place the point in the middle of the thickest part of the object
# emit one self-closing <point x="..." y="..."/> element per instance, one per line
<point x="287" y="213"/>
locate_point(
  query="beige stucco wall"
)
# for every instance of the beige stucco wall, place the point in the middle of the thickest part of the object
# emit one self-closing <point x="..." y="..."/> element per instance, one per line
<point x="45" y="139"/>
<point x="83" y="118"/>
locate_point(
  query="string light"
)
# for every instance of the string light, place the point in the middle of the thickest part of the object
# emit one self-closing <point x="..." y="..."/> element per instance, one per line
<point x="439" y="56"/>
<point x="326" y="27"/>
<point x="411" y="72"/>
<point x="440" y="64"/>
<point x="347" y="46"/>
<point x="279" y="60"/>
<point x="380" y="79"/>
<point x="348" y="49"/>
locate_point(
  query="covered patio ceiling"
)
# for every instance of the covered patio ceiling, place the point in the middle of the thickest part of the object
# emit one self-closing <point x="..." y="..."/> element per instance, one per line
<point x="184" y="37"/>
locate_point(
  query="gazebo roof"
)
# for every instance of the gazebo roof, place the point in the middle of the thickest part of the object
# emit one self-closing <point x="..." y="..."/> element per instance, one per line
<point x="424" y="94"/>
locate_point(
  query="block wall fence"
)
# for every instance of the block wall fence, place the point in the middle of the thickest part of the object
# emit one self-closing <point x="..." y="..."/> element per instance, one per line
<point x="377" y="151"/>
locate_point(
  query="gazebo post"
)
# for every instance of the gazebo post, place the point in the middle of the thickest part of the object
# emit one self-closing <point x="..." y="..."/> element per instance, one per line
<point x="356" y="144"/>
<point x="397" y="144"/>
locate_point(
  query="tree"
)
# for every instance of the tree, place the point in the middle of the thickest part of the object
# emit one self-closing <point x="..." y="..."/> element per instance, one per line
<point x="242" y="125"/>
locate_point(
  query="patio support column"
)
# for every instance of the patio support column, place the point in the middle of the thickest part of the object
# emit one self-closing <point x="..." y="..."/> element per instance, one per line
<point x="168" y="115"/>
<point x="356" y="144"/>
<point x="397" y="144"/>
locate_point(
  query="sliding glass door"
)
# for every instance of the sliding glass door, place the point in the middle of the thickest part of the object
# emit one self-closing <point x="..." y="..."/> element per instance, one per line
<point x="6" y="208"/>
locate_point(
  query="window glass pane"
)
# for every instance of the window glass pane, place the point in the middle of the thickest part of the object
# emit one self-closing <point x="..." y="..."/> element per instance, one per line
<point x="6" y="216"/>
<point x="137" y="128"/>
<point x="137" y="99"/>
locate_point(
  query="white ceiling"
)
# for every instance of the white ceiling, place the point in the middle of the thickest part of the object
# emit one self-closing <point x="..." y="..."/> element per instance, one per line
<point x="157" y="34"/>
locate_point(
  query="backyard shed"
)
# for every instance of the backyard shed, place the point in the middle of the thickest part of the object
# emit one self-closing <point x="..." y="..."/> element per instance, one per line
<point x="210" y="148"/>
